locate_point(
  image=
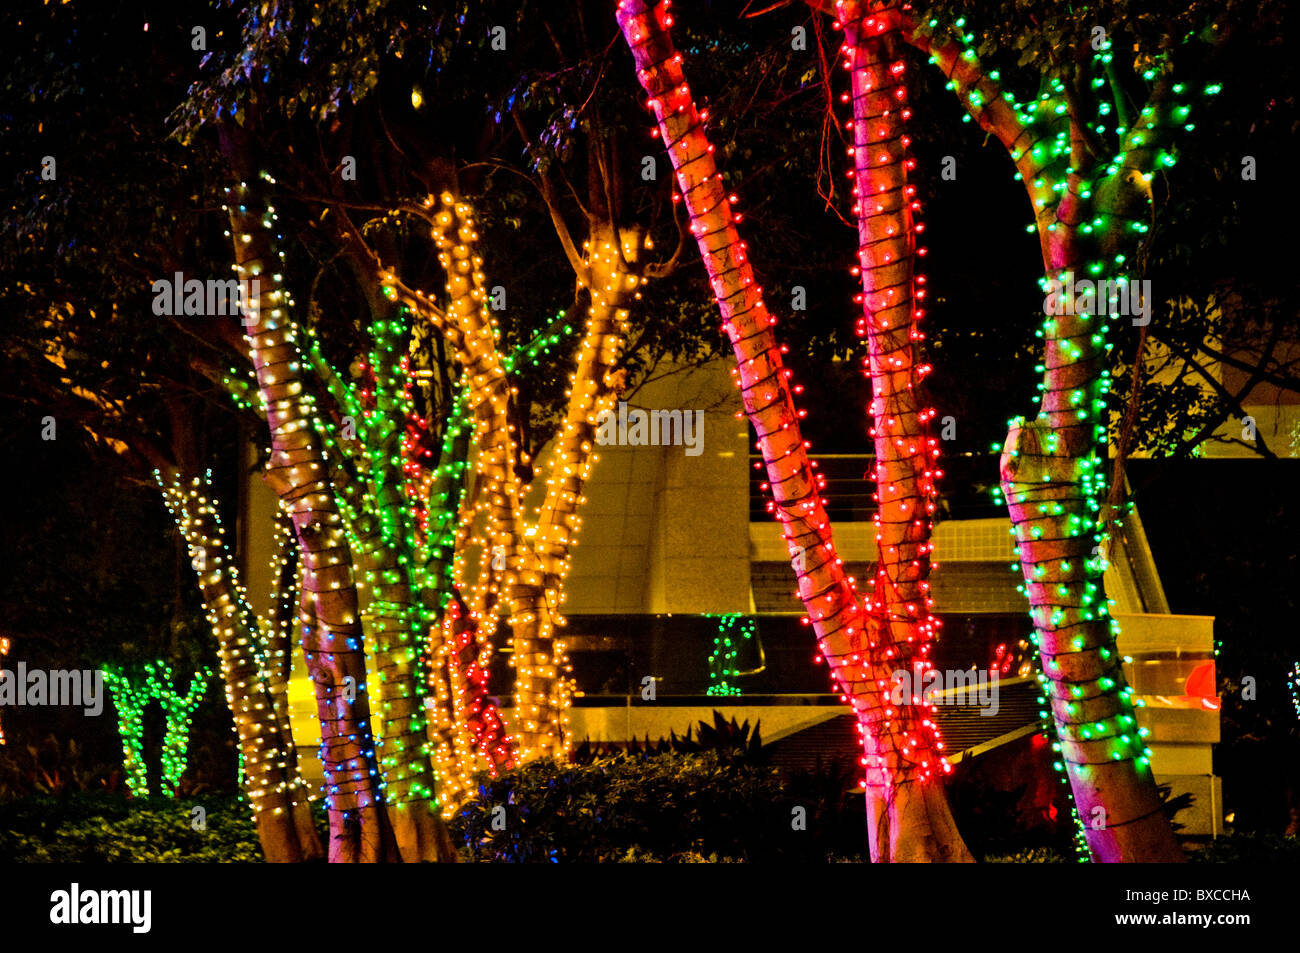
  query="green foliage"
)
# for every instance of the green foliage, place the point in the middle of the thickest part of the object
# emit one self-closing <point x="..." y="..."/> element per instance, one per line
<point x="1229" y="849"/>
<point x="636" y="856"/>
<point x="710" y="796"/>
<point x="1248" y="849"/>
<point x="663" y="806"/>
<point x="52" y="768"/>
<point x="108" y="829"/>
<point x="734" y="743"/>
<point x="1220" y="293"/>
<point x="78" y="252"/>
<point x="1049" y="38"/>
<point x="1034" y="855"/>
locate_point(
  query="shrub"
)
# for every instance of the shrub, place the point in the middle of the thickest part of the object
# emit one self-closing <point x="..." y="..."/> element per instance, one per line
<point x="95" y="828"/>
<point x="51" y="768"/>
<point x="1249" y="848"/>
<point x="669" y="807"/>
<point x="735" y="743"/>
<point x="1035" y="855"/>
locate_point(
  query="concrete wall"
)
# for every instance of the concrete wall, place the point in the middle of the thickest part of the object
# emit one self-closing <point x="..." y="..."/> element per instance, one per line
<point x="1182" y="729"/>
<point x="664" y="531"/>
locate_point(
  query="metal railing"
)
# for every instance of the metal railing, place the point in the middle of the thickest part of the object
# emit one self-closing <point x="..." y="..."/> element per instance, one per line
<point x="965" y="489"/>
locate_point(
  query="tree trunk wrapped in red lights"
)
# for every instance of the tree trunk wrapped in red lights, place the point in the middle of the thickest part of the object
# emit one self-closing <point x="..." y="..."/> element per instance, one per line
<point x="906" y="451"/>
<point x="856" y="646"/>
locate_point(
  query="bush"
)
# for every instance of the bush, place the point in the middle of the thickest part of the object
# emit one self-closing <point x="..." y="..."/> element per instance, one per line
<point x="1035" y="855"/>
<point x="669" y="807"/>
<point x="96" y="828"/>
<point x="51" y="768"/>
<point x="1248" y="849"/>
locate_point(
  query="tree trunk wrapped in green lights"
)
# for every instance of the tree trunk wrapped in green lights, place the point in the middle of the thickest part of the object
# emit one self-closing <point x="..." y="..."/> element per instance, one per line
<point x="464" y="720"/>
<point x="298" y="472"/>
<point x="255" y="680"/>
<point x="398" y="626"/>
<point x="368" y="467"/>
<point x="852" y="640"/>
<point x="132" y="693"/>
<point x="1090" y="208"/>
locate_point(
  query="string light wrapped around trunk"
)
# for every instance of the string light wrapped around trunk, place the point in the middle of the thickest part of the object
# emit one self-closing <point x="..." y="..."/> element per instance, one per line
<point x="1090" y="211"/>
<point x="131" y="695"/>
<point x="851" y="638"/>
<point x="906" y="452"/>
<point x="268" y="762"/>
<point x="298" y="471"/>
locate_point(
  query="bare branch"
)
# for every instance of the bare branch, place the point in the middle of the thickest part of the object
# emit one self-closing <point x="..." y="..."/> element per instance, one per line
<point x="557" y="219"/>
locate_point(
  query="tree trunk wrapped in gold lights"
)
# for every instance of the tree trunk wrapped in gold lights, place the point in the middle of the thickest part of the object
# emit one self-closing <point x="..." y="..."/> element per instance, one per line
<point x="526" y="564"/>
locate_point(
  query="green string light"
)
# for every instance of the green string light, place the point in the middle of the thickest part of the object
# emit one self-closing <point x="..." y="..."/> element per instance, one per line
<point x="734" y="632"/>
<point x="131" y="695"/>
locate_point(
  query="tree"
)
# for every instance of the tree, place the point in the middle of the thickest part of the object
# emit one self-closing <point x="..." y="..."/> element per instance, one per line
<point x="906" y="450"/>
<point x="601" y="212"/>
<point x="862" y="652"/>
<point x="299" y="474"/>
<point x="1089" y="204"/>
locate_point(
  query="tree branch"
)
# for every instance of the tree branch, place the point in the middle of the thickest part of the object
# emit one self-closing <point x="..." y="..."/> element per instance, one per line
<point x="576" y="261"/>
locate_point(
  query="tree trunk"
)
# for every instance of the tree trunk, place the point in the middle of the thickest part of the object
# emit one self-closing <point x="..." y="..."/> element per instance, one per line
<point x="279" y="659"/>
<point x="1051" y="473"/>
<point x="388" y="618"/>
<point x="852" y="641"/>
<point x="392" y="621"/>
<point x="531" y="574"/>
<point x="275" y="790"/>
<point x="918" y="824"/>
<point x="332" y="639"/>
<point x="1053" y="478"/>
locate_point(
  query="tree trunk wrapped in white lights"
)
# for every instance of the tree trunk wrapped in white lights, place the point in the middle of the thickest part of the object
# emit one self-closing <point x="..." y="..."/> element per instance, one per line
<point x="276" y="791"/>
<point x="297" y="471"/>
